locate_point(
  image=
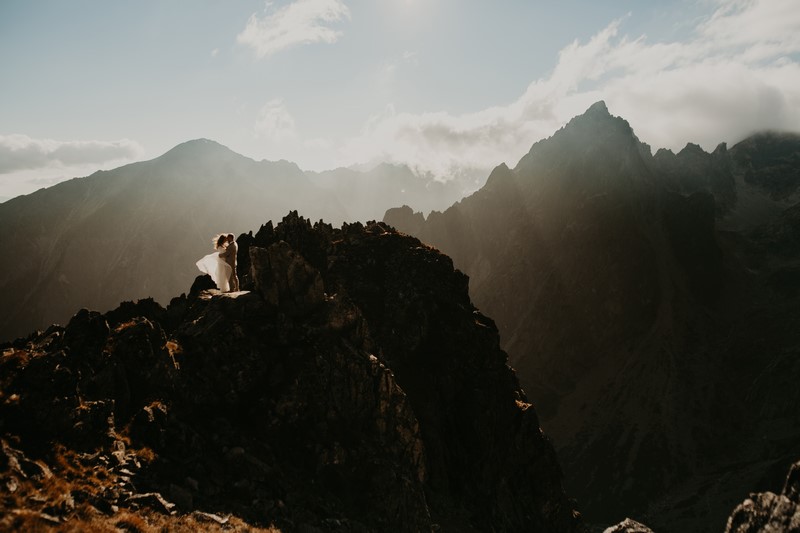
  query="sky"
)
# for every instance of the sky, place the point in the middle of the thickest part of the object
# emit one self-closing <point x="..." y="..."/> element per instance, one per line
<point x="449" y="87"/>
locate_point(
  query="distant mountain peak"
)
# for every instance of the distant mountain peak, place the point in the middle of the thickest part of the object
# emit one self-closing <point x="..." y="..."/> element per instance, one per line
<point x="598" y="108"/>
<point x="198" y="147"/>
<point x="598" y="113"/>
<point x="596" y="120"/>
<point x="500" y="173"/>
<point x="596" y="132"/>
<point x="692" y="148"/>
<point x="201" y="143"/>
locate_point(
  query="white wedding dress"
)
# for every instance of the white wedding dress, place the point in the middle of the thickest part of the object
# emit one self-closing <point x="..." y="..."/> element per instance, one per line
<point x="216" y="267"/>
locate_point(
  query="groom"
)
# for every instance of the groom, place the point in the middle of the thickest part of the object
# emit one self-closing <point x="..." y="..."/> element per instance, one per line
<point x="229" y="255"/>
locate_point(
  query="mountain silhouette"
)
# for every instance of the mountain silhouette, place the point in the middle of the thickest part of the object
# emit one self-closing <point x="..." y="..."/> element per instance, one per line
<point x="352" y="387"/>
<point x="136" y="231"/>
<point x="646" y="303"/>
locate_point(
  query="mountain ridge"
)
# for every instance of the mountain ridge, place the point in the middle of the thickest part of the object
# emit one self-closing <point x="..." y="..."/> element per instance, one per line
<point x="615" y="277"/>
<point x="194" y="416"/>
<point x="111" y="236"/>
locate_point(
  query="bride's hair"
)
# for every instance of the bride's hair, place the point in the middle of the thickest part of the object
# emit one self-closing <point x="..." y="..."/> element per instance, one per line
<point x="219" y="241"/>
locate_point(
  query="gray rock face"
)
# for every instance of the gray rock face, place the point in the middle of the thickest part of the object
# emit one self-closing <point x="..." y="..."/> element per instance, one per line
<point x="285" y="280"/>
<point x="768" y="512"/>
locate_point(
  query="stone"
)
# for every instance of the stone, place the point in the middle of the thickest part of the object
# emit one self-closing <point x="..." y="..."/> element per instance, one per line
<point x="791" y="489"/>
<point x="85" y="335"/>
<point x="153" y="499"/>
<point x="149" y="425"/>
<point x="286" y="280"/>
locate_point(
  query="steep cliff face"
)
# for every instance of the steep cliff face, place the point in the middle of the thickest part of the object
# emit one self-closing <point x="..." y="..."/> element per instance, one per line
<point x="354" y="388"/>
<point x="630" y="319"/>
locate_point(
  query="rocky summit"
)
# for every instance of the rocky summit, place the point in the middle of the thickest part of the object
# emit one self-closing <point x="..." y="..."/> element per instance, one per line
<point x="351" y="386"/>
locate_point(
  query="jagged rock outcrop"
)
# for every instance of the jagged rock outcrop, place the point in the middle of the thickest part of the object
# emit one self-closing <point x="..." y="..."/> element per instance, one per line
<point x="285" y="280"/>
<point x="631" y="318"/>
<point x="353" y="388"/>
<point x="766" y="511"/>
<point x="693" y="169"/>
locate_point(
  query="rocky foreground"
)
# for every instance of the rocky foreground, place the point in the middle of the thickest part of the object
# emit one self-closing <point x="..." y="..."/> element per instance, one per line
<point x="768" y="511"/>
<point x="352" y="387"/>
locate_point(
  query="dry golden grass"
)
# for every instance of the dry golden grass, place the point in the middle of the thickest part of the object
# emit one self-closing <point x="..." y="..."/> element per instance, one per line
<point x="132" y="523"/>
<point x="144" y="521"/>
<point x="145" y="455"/>
<point x="49" y="503"/>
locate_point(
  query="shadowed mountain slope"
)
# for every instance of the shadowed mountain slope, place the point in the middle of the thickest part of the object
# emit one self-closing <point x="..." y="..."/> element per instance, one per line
<point x="136" y="231"/>
<point x="641" y="331"/>
<point x="355" y="388"/>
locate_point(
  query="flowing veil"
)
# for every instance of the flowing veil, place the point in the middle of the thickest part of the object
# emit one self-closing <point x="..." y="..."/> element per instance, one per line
<point x="220" y="271"/>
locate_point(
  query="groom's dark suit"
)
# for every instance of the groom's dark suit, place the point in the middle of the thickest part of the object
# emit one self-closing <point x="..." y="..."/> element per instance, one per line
<point x="229" y="255"/>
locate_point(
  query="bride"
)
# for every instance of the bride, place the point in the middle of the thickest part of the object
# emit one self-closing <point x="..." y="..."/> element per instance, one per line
<point x="215" y="266"/>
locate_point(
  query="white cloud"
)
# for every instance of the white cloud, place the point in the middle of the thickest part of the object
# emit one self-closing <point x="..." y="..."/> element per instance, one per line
<point x="389" y="69"/>
<point x="300" y="22"/>
<point x="755" y="22"/>
<point x="735" y="75"/>
<point x="274" y="122"/>
<point x="215" y="52"/>
<point x="20" y="152"/>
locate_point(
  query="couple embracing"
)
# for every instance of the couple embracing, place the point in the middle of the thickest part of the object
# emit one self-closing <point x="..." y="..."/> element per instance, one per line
<point x="221" y="264"/>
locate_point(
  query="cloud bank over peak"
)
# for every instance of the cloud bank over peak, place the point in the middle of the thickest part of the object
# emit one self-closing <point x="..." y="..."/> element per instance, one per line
<point x="727" y="80"/>
<point x="300" y="22"/>
<point x="771" y="25"/>
<point x="20" y="152"/>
